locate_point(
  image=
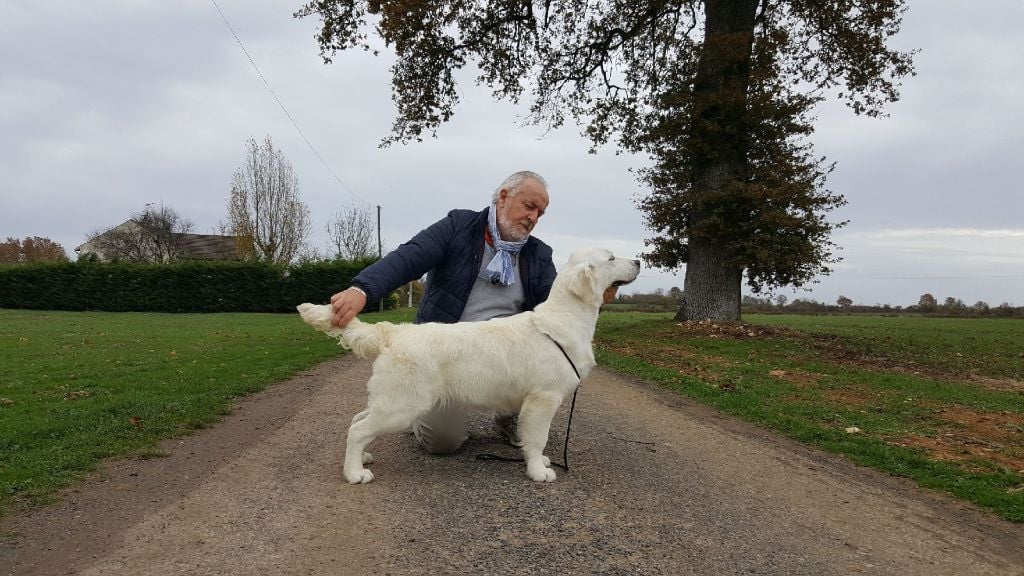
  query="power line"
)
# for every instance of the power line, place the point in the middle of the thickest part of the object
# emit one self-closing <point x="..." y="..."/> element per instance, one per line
<point x="937" y="277"/>
<point x="281" y="104"/>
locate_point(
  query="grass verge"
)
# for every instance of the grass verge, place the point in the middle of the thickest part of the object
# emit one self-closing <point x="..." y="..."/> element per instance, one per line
<point x="77" y="387"/>
<point x="937" y="400"/>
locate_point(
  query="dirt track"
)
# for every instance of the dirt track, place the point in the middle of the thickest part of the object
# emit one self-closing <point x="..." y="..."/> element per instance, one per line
<point x="658" y="485"/>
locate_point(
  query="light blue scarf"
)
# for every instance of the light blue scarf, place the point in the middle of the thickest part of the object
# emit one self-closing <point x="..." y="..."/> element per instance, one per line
<point x="501" y="269"/>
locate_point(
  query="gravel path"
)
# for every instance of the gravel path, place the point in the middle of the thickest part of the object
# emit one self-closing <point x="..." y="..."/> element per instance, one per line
<point x="658" y="485"/>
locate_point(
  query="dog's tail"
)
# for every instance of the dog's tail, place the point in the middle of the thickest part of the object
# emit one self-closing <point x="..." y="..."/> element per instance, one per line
<point x="365" y="340"/>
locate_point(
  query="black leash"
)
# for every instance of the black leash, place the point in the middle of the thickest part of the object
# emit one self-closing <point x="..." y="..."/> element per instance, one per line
<point x="568" y="427"/>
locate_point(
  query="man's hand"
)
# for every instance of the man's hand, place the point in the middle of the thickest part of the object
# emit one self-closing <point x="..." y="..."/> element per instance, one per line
<point x="346" y="304"/>
<point x="609" y="294"/>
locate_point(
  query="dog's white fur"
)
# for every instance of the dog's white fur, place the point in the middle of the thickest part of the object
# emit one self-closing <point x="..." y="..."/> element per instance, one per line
<point x="507" y="365"/>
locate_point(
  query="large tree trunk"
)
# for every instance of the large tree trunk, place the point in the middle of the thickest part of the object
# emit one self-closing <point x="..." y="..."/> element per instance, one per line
<point x="712" y="285"/>
<point x="711" y="291"/>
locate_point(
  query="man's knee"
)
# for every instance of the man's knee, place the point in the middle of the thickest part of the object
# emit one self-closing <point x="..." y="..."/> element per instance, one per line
<point x="443" y="446"/>
<point x="439" y="441"/>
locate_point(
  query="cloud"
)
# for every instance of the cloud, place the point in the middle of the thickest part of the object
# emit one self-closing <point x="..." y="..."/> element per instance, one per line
<point x="108" y="105"/>
<point x="959" y="250"/>
<point x="898" y="265"/>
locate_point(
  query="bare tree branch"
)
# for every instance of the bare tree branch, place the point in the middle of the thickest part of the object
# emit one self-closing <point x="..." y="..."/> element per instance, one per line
<point x="264" y="209"/>
<point x="351" y="233"/>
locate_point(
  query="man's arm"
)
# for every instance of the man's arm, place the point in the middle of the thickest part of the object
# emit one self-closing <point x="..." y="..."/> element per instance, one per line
<point x="408" y="262"/>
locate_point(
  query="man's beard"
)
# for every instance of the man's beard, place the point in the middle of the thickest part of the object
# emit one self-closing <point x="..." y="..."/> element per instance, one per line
<point x="515" y="233"/>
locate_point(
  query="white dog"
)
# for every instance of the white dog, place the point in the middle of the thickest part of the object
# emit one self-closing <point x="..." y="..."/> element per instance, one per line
<point x="508" y="365"/>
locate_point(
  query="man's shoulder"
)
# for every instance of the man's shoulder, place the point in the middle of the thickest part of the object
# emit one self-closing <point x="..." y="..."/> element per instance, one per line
<point x="464" y="216"/>
<point x="540" y="248"/>
<point x="457" y="222"/>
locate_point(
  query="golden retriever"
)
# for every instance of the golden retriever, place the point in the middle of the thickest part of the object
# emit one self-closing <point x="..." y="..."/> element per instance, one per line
<point x="508" y="365"/>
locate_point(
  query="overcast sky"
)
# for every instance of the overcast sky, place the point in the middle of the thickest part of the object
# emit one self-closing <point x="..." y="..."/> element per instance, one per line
<point x="108" y="105"/>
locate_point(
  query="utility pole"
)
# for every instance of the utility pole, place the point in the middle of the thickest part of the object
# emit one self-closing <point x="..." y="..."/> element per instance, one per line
<point x="380" y="251"/>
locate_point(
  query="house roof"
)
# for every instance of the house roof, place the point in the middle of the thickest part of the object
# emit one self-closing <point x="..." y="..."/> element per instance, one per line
<point x="209" y="246"/>
<point x="193" y="246"/>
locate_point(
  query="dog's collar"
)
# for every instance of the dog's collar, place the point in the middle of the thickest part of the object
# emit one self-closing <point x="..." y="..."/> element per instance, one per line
<point x="566" y="354"/>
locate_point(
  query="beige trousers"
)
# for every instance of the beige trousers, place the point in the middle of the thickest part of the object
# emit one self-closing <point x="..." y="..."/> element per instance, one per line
<point x="443" y="429"/>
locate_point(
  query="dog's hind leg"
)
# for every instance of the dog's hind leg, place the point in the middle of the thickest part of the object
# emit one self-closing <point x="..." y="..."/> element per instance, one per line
<point x="366" y="426"/>
<point x="534" y="424"/>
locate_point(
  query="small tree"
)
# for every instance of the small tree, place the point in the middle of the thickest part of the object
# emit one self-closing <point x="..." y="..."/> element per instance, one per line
<point x="152" y="235"/>
<point x="351" y="234"/>
<point x="32" y="249"/>
<point x="927" y="303"/>
<point x="954" y="304"/>
<point x="676" y="294"/>
<point x="10" y="251"/>
<point x="264" y="209"/>
<point x="844" y="302"/>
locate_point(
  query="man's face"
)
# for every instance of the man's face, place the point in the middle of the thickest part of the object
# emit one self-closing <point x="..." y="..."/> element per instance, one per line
<point x="517" y="215"/>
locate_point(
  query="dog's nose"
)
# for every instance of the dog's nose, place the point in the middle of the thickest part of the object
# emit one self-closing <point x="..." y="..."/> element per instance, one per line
<point x="637" y="262"/>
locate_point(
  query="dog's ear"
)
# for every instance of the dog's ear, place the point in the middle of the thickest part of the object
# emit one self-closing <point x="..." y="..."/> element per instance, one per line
<point x="583" y="280"/>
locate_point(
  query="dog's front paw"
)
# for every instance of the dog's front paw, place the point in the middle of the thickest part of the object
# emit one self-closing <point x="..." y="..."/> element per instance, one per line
<point x="361" y="476"/>
<point x="541" y="473"/>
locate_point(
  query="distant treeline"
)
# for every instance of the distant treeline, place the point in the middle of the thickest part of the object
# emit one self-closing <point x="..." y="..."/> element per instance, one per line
<point x="660" y="300"/>
<point x="657" y="300"/>
<point x="951" y="307"/>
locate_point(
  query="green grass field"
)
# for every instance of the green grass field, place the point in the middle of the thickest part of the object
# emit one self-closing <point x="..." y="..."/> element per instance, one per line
<point x="77" y="387"/>
<point x="981" y="346"/>
<point x="937" y="400"/>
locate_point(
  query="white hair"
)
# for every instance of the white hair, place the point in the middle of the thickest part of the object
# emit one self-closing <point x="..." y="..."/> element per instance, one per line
<point x="515" y="181"/>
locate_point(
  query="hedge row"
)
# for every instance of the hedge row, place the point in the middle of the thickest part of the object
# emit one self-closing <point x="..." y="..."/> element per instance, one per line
<point x="175" y="287"/>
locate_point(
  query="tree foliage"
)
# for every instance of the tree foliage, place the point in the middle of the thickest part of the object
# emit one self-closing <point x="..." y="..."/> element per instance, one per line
<point x="927" y="303"/>
<point x="719" y="94"/>
<point x="264" y="209"/>
<point x="31" y="249"/>
<point x="150" y="235"/>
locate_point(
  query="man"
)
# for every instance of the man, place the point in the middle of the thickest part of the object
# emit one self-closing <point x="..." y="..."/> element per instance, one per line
<point x="479" y="265"/>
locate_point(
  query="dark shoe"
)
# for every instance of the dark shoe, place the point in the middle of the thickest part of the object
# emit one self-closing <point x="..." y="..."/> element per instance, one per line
<point x="506" y="427"/>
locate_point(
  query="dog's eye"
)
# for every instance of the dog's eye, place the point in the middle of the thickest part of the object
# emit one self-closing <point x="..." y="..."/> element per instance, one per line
<point x="611" y="258"/>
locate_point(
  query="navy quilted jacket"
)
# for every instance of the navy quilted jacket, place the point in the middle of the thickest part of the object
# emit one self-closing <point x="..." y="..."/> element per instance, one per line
<point x="451" y="250"/>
